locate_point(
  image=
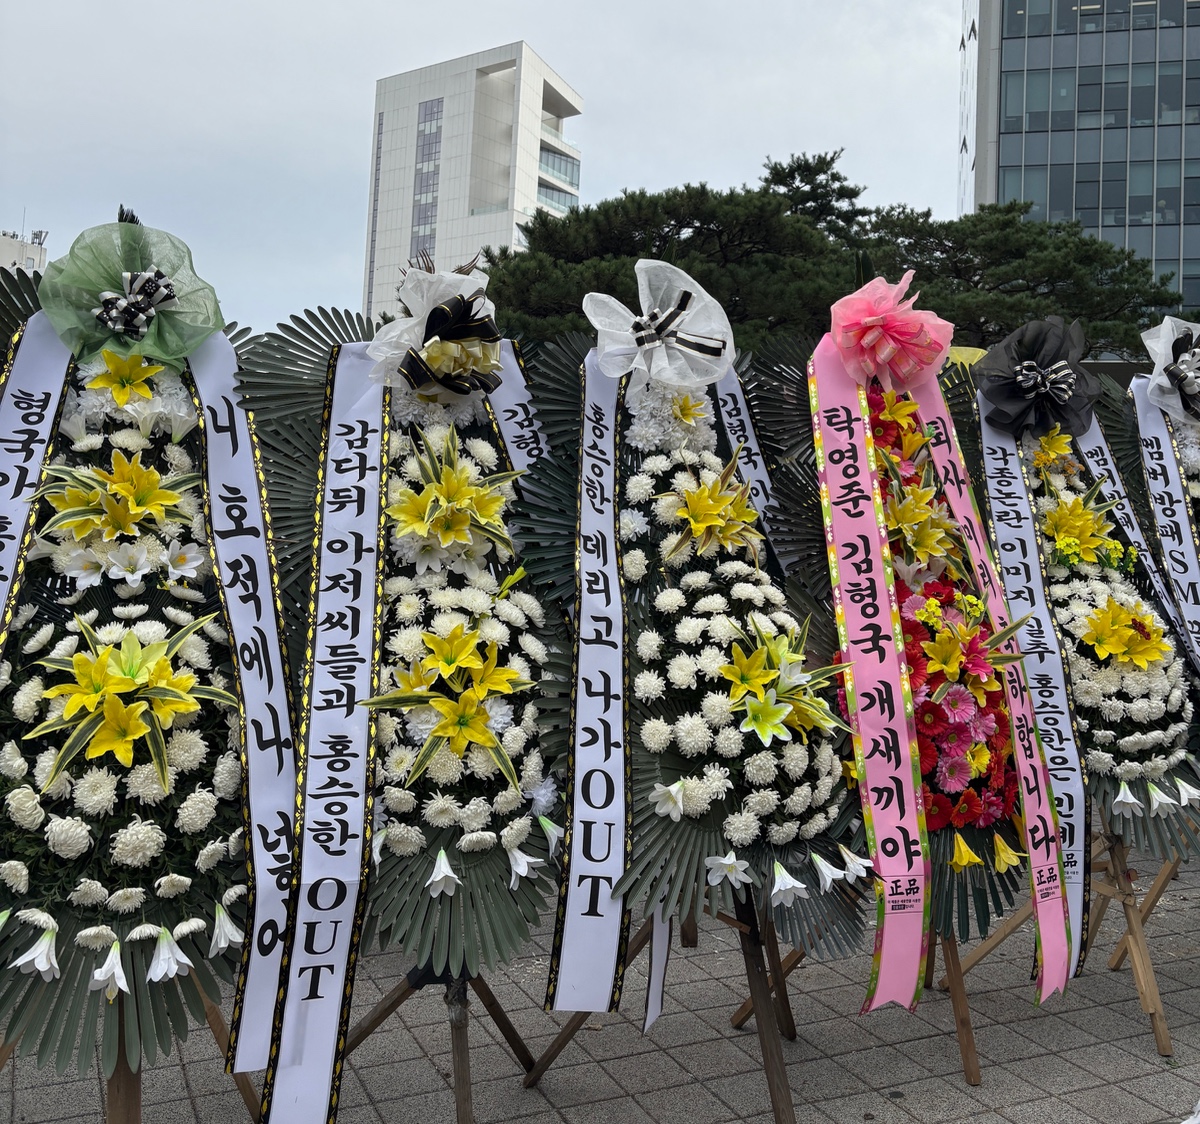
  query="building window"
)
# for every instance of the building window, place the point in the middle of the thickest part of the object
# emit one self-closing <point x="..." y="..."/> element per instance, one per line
<point x="556" y="199"/>
<point x="1116" y="15"/>
<point x="1193" y="12"/>
<point x="1112" y="195"/>
<point x="423" y="238"/>
<point x="1089" y="97"/>
<point x="1034" y="190"/>
<point x="1167" y="193"/>
<point x="1066" y="17"/>
<point x="1170" y="13"/>
<point x="1038" y="17"/>
<point x="1170" y="93"/>
<point x="1037" y="100"/>
<point x="1062" y="192"/>
<point x="1116" y="96"/>
<point x="1012" y="103"/>
<point x="374" y="212"/>
<point x="1141" y="194"/>
<point x="1191" y="283"/>
<point x="1141" y="94"/>
<point x="1014" y="18"/>
<point x="565" y="168"/>
<point x="1191" y="191"/>
<point x="1143" y="13"/>
<point x="1062" y="100"/>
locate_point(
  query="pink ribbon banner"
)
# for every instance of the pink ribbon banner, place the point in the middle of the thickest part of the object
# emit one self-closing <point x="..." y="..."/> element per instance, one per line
<point x="878" y="696"/>
<point x="1037" y="796"/>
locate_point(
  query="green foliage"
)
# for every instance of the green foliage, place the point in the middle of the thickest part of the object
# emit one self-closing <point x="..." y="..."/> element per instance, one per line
<point x="992" y="271"/>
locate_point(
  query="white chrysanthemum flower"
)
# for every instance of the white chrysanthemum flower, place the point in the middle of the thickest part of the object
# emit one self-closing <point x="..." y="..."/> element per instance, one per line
<point x="782" y="833"/>
<point x="24" y="808"/>
<point x="407" y="643"/>
<point x="631" y="524"/>
<point x="815" y="826"/>
<point x="533" y="647"/>
<point x="88" y="892"/>
<point x="445" y="768"/>
<point x="398" y="763"/>
<point x="65" y="648"/>
<point x="656" y="735"/>
<point x="514" y="740"/>
<point x="28" y="699"/>
<point x="68" y="837"/>
<point x="211" y="854"/>
<point x="741" y="828"/>
<point x="795" y="759"/>
<point x="692" y="735"/>
<point x="696" y="797"/>
<point x="150" y="632"/>
<point x="126" y="901"/>
<point x="761" y="802"/>
<point x="403" y="839"/>
<point x="670" y="601"/>
<point x="194" y="651"/>
<point x="649" y="685"/>
<point x="508" y="801"/>
<point x="689" y="630"/>
<point x="42" y="767"/>
<point x="227" y="776"/>
<point x="728" y="742"/>
<point x="649" y="646"/>
<point x="638" y="489"/>
<point x="196" y="811"/>
<point x="711" y="603"/>
<point x="635" y="565"/>
<point x="717" y="709"/>
<point x="480" y="763"/>
<point x="399" y="801"/>
<point x="710" y="661"/>
<point x="516" y="833"/>
<point x="477" y="841"/>
<point x="800" y="800"/>
<point x="172" y="885"/>
<point x="186" y="750"/>
<point x="15" y="875"/>
<point x="532" y="771"/>
<point x="723" y="630"/>
<point x="95" y="938"/>
<point x="492" y="631"/>
<point x="510" y="614"/>
<point x="38" y="640"/>
<point x="475" y="815"/>
<point x="142" y="784"/>
<point x="441" y="811"/>
<point x="761" y="767"/>
<point x="12" y="763"/>
<point x="138" y="843"/>
<point x="681" y="671"/>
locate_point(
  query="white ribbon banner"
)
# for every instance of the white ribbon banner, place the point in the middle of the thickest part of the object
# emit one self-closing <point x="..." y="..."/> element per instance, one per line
<point x="334" y="819"/>
<point x="739" y="431"/>
<point x="1045" y="665"/>
<point x="591" y="936"/>
<point x="1172" y="508"/>
<point x="514" y="413"/>
<point x="32" y="391"/>
<point x="242" y="561"/>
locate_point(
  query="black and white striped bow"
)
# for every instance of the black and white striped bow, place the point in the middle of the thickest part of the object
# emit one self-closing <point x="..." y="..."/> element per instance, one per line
<point x="656" y="328"/>
<point x="1057" y="380"/>
<point x="129" y="313"/>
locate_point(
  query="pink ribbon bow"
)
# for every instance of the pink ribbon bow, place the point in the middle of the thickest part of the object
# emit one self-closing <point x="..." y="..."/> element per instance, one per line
<point x="882" y="336"/>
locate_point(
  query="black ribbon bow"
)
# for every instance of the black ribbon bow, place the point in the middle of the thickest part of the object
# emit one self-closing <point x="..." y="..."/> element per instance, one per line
<point x="1182" y="373"/>
<point x="129" y="313"/>
<point x="1034" y="381"/>
<point x="453" y="321"/>
<point x="657" y="327"/>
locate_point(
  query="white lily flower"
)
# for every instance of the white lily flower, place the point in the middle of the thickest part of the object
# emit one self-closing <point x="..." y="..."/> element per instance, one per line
<point x="728" y="867"/>
<point x="554" y="834"/>
<point x="1126" y="804"/>
<point x="668" y="800"/>
<point x="443" y="880"/>
<point x="786" y="888"/>
<point x="129" y="561"/>
<point x="225" y="932"/>
<point x="1188" y="794"/>
<point x="110" y="975"/>
<point x="169" y="959"/>
<point x="41" y="958"/>
<point x="1160" y="803"/>
<point x="183" y="560"/>
<point x="828" y="872"/>
<point x="855" y="866"/>
<point x="522" y="865"/>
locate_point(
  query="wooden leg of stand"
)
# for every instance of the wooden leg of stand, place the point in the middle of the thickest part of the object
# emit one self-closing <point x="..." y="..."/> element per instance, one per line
<point x="986" y="948"/>
<point x="931" y="961"/>
<point x="6" y="1052"/>
<point x="1139" y="954"/>
<point x="741" y="1016"/>
<point x="778" y="982"/>
<point x="378" y="1014"/>
<point x="500" y="1017"/>
<point x="124" y="1099"/>
<point x="457" y="1004"/>
<point x="768" y="1029"/>
<point x="220" y="1032"/>
<point x="689" y="931"/>
<point x="1149" y="901"/>
<point x="962" y="1012"/>
<point x="575" y="1023"/>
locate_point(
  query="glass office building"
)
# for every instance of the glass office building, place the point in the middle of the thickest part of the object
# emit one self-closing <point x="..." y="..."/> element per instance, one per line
<point x="1090" y="109"/>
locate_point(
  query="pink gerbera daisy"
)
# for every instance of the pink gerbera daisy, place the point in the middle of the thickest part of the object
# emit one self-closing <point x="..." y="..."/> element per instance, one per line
<point x="993" y="808"/>
<point x="982" y="725"/>
<point x="959" y="704"/>
<point x="953" y="774"/>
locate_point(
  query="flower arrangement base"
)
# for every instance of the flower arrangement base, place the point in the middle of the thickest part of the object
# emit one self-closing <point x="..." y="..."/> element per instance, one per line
<point x="458" y="1012"/>
<point x="1168" y="870"/>
<point x="958" y="1001"/>
<point x="778" y="971"/>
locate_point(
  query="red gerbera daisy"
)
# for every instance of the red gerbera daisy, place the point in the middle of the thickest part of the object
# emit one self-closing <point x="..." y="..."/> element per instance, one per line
<point x="929" y="754"/>
<point x="937" y="811"/>
<point x="967" y="810"/>
<point x="930" y="720"/>
<point x="1010" y="794"/>
<point x="944" y="591"/>
<point x="918" y="672"/>
<point x="884" y="433"/>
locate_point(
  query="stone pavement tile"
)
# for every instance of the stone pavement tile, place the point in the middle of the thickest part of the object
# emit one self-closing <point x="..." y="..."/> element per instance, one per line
<point x="883" y="1067"/>
<point x="208" y="1075"/>
<point x="689" y="1104"/>
<point x="1053" y="1032"/>
<point x="227" y="1108"/>
<point x="1113" y="1103"/>
<point x="933" y="1100"/>
<point x="1054" y="1075"/>
<point x="937" y="1054"/>
<point x="1002" y="1086"/>
<point x="352" y="1093"/>
<point x="878" y="1107"/>
<point x="677" y="1030"/>
<point x="891" y="1023"/>
<point x="1003" y="1044"/>
<point x="389" y="1044"/>
<point x="1003" y="1007"/>
<point x="708" y="1060"/>
<point x="838" y="1036"/>
<point x="747" y="1095"/>
<point x="64" y="1101"/>
<point x="567" y="1085"/>
<point x="606" y="1112"/>
<point x="1175" y="1096"/>
<point x="1142" y="1046"/>
<point x="165" y="1084"/>
<point x="497" y="1102"/>
<point x="434" y="1107"/>
<point x="1054" y="1112"/>
<point x="1112" y="1022"/>
<point x="623" y="1039"/>
<point x="822" y="1078"/>
<point x="1112" y="1063"/>
<point x="386" y="1082"/>
<point x="657" y="1070"/>
<point x="700" y="995"/>
<point x="176" y="1112"/>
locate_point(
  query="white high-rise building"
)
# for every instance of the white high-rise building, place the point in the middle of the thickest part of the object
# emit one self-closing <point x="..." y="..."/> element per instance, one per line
<point x="19" y="252"/>
<point x="463" y="152"/>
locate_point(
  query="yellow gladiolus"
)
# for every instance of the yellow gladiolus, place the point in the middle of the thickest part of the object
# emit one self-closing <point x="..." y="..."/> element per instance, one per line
<point x="963" y="856"/>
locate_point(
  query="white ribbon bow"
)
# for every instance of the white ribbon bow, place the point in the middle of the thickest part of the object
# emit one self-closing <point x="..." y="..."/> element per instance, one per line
<point x="682" y="337"/>
<point x="1175" y="383"/>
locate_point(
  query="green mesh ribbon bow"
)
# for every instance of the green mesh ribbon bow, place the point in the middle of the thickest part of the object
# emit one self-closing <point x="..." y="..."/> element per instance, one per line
<point x="129" y="289"/>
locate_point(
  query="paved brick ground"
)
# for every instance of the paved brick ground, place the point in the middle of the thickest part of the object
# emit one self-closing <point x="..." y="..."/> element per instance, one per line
<point x="1087" y="1057"/>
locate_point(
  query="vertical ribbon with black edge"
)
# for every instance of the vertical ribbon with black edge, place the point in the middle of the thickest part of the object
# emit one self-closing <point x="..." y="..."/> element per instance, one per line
<point x="739" y="431"/>
<point x="878" y="693"/>
<point x="513" y="413"/>
<point x="240" y="551"/>
<point x="1022" y="571"/>
<point x="1103" y="465"/>
<point x="335" y="771"/>
<point x="1172" y="506"/>
<point x="591" y="935"/>
<point x="1059" y="957"/>
<point x="660" y="954"/>
<point x="35" y="376"/>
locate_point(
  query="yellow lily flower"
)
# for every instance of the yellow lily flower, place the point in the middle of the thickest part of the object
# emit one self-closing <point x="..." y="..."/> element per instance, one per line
<point x="490" y="679"/>
<point x="455" y="486"/>
<point x="897" y="409"/>
<point x="162" y="674"/>
<point x="687" y="409"/>
<point x="124" y="377"/>
<point x="911" y="443"/>
<point x="463" y="721"/>
<point x="122" y="726"/>
<point x="94" y="682"/>
<point x="456" y="653"/>
<point x="138" y="485"/>
<point x="765" y="718"/>
<point x="945" y="654"/>
<point x="451" y="524"/>
<point x="1108" y="632"/>
<point x="133" y="663"/>
<point x="1052" y="447"/>
<point x="963" y="856"/>
<point x="748" y="673"/>
<point x="487" y="504"/>
<point x="1005" y="856"/>
<point x="412" y="512"/>
<point x="415" y="678"/>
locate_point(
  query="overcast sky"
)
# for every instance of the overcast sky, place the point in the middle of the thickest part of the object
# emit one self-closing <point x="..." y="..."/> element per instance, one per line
<point x="244" y="126"/>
